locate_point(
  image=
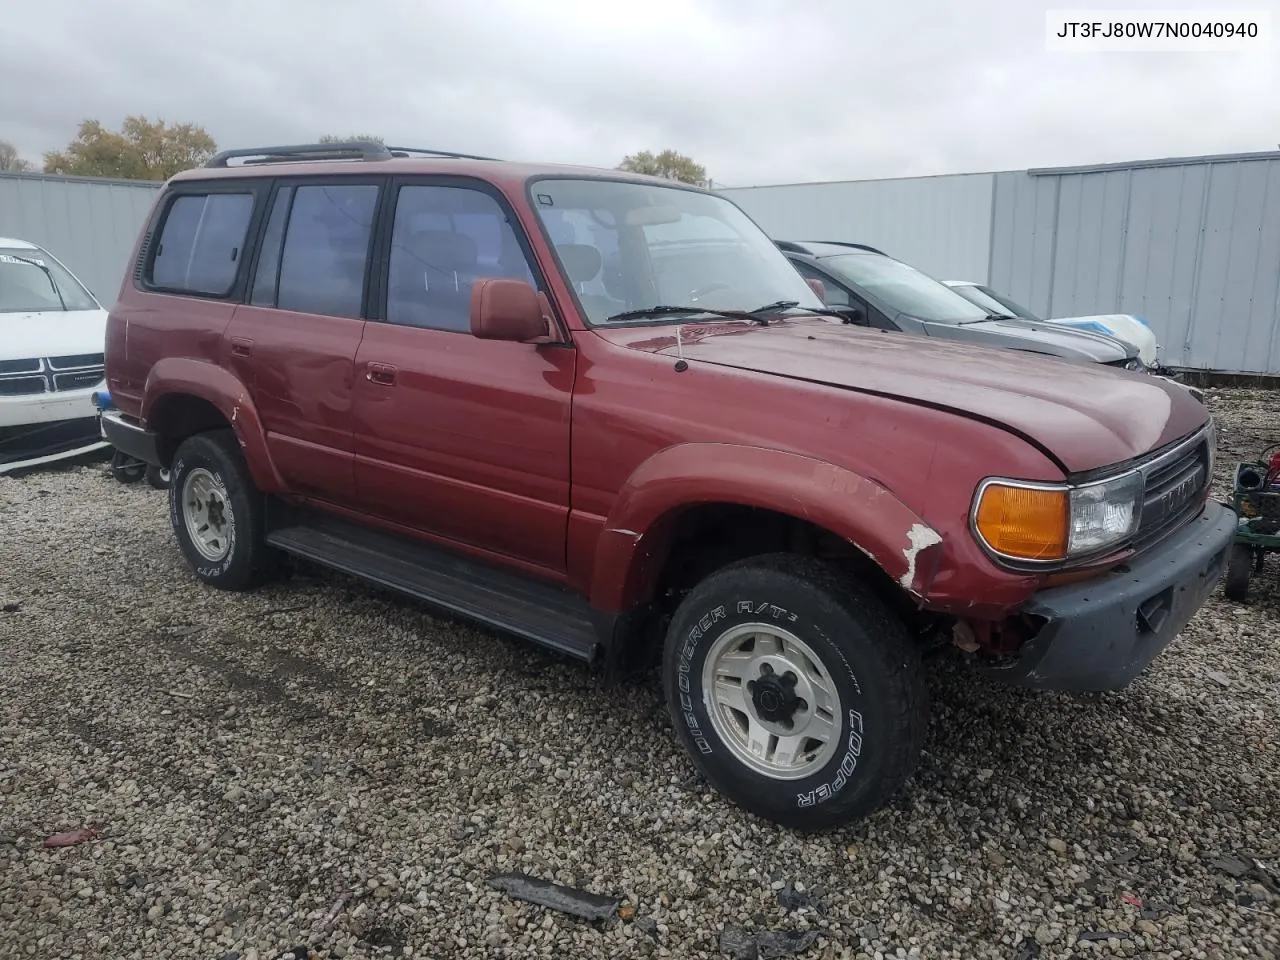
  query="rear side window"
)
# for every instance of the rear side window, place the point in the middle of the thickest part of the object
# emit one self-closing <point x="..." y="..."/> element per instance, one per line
<point x="326" y="249"/>
<point x="201" y="242"/>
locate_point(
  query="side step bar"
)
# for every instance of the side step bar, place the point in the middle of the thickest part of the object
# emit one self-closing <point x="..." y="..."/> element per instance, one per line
<point x="538" y="611"/>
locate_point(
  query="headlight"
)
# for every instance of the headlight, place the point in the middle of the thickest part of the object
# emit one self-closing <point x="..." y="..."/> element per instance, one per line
<point x="1048" y="523"/>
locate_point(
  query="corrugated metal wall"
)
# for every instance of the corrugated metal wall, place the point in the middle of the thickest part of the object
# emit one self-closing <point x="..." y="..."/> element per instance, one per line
<point x="90" y="225"/>
<point x="942" y="225"/>
<point x="1192" y="245"/>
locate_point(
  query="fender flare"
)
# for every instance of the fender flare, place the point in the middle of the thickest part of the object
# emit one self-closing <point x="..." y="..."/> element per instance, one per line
<point x="633" y="544"/>
<point x="221" y="389"/>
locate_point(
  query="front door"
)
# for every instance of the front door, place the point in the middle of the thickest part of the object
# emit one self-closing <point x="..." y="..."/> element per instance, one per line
<point x="294" y="343"/>
<point x="465" y="440"/>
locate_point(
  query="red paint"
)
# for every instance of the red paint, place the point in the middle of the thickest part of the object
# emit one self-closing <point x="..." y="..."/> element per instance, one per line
<point x="573" y="458"/>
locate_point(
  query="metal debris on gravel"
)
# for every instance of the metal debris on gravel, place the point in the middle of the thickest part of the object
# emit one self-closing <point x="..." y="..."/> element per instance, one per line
<point x="334" y="739"/>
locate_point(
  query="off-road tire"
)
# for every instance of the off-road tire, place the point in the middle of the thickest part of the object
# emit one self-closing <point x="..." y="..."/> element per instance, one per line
<point x="1239" y="569"/>
<point x="871" y="660"/>
<point x="249" y="562"/>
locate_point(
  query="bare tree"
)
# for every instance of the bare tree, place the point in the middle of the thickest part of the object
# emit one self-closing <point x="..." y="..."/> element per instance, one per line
<point x="10" y="160"/>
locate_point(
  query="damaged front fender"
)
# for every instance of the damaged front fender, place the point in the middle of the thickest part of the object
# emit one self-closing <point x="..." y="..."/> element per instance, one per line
<point x="869" y="516"/>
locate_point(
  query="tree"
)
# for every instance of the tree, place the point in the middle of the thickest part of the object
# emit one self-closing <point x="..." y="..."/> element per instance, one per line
<point x="668" y="164"/>
<point x="10" y="160"/>
<point x="142" y="150"/>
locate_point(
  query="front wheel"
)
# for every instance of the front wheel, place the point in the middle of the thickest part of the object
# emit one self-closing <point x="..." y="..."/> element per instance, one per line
<point x="217" y="513"/>
<point x="797" y="693"/>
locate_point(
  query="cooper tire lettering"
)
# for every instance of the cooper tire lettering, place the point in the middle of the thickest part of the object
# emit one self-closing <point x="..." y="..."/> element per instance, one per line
<point x="860" y="648"/>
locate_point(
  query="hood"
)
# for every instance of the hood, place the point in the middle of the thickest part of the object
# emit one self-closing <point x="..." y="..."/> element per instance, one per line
<point x="52" y="333"/>
<point x="1084" y="415"/>
<point x="1122" y="326"/>
<point x="1066" y="342"/>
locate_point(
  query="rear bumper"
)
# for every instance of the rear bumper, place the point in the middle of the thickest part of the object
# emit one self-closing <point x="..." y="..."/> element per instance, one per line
<point x="130" y="437"/>
<point x="1100" y="635"/>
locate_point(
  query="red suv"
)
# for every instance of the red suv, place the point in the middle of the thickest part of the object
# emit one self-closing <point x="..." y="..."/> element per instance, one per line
<point x="602" y="411"/>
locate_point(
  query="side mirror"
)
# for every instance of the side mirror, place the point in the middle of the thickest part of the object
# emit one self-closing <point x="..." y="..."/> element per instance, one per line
<point x="506" y="309"/>
<point x="818" y="287"/>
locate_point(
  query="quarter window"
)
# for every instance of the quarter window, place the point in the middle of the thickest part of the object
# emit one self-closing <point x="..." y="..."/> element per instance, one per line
<point x="326" y="249"/>
<point x="201" y="242"/>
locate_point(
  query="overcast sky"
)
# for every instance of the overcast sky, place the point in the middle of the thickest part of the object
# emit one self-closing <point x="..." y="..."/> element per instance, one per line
<point x="758" y="91"/>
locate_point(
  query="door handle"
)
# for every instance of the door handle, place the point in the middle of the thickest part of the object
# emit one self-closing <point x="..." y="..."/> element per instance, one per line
<point x="240" y="347"/>
<point x="383" y="373"/>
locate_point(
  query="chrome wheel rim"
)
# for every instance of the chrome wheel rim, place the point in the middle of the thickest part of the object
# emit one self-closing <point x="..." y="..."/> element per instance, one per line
<point x="772" y="701"/>
<point x="206" y="512"/>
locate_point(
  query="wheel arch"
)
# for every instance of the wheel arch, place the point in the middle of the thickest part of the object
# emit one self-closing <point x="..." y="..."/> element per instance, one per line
<point x="771" y="497"/>
<point x="184" y="397"/>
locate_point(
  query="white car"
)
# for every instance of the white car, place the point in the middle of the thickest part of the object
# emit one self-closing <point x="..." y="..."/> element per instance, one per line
<point x="1123" y="326"/>
<point x="52" y="332"/>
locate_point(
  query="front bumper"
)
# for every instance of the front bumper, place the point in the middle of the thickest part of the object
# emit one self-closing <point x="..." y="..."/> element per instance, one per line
<point x="1101" y="634"/>
<point x="34" y="444"/>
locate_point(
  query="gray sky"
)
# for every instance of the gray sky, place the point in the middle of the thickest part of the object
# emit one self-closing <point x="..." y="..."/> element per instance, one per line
<point x="759" y="91"/>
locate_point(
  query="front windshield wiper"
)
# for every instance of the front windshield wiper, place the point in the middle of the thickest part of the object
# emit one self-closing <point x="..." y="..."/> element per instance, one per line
<point x="758" y="315"/>
<point x="1000" y="316"/>
<point x="47" y="272"/>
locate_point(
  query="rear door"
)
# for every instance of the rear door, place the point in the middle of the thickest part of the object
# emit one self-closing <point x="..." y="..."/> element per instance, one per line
<point x="294" y="342"/>
<point x="463" y="439"/>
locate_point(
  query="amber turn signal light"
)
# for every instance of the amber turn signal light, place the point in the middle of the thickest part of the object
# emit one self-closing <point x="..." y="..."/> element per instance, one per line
<point x="1023" y="523"/>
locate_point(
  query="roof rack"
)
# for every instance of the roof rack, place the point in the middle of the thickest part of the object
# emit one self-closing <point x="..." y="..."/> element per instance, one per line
<point x="346" y="150"/>
<point x="406" y="151"/>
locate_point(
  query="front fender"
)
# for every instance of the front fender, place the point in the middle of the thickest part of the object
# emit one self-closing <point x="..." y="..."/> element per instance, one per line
<point x="633" y="545"/>
<point x="183" y="376"/>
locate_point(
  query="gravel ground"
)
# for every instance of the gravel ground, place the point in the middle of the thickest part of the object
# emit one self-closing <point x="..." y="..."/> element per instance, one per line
<point x="249" y="759"/>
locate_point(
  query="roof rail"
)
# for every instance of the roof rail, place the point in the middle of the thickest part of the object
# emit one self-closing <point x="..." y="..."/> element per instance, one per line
<point x="345" y="150"/>
<point x="406" y="151"/>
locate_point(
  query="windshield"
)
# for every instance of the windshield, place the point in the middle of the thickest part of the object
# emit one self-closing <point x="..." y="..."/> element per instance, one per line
<point x="27" y="288"/>
<point x="628" y="247"/>
<point x="904" y="289"/>
<point x="1012" y="306"/>
<point x="993" y="303"/>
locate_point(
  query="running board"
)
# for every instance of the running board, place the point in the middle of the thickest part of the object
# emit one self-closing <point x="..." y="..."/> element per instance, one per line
<point x="538" y="611"/>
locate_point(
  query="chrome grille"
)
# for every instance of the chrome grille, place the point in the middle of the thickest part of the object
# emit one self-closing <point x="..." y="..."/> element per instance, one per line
<point x="19" y="378"/>
<point x="1176" y="481"/>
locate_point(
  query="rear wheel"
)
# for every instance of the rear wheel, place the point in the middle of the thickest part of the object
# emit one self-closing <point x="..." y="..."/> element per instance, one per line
<point x="797" y="693"/>
<point x="1239" y="569"/>
<point x="217" y="513"/>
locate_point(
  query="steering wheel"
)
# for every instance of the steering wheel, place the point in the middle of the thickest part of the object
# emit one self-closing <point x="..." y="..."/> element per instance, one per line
<point x="695" y="295"/>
